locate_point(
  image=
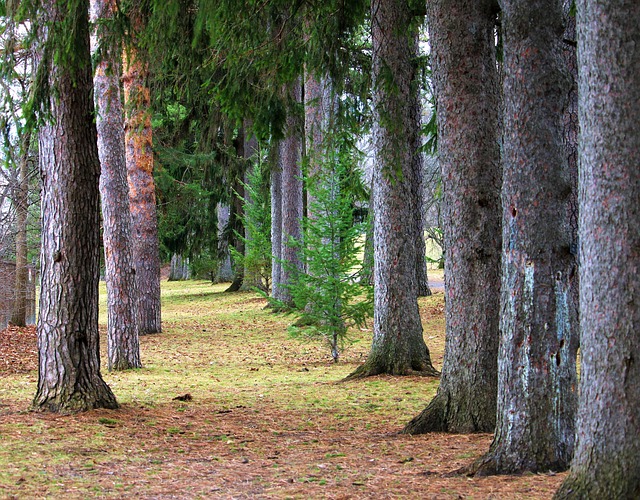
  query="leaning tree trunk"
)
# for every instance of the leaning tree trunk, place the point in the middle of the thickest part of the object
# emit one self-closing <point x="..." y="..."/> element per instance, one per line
<point x="142" y="191"/>
<point x="536" y="363"/>
<point x="123" y="346"/>
<point x="69" y="351"/>
<point x="398" y="345"/>
<point x="608" y="427"/>
<point x="21" y="202"/>
<point x="292" y="202"/>
<point x="468" y="100"/>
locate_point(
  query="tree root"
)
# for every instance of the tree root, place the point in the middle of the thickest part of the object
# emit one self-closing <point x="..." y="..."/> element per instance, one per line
<point x="372" y="369"/>
<point x="431" y="419"/>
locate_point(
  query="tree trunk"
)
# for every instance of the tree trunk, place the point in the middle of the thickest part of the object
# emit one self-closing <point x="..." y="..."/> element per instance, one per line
<point x="179" y="268"/>
<point x="21" y="202"/>
<point x="398" y="345"/>
<point x="468" y="100"/>
<point x="69" y="351"/>
<point x="276" y="227"/>
<point x="142" y="194"/>
<point x="123" y="346"/>
<point x="292" y="203"/>
<point x="608" y="428"/>
<point x="537" y="355"/>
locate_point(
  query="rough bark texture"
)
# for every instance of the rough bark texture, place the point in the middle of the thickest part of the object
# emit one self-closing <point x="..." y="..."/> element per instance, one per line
<point x="123" y="346"/>
<point x="69" y="360"/>
<point x="398" y="345"/>
<point x="180" y="270"/>
<point x="608" y="428"/>
<point x="292" y="197"/>
<point x="142" y="192"/>
<point x="468" y="100"/>
<point x="537" y="393"/>
<point x="21" y="202"/>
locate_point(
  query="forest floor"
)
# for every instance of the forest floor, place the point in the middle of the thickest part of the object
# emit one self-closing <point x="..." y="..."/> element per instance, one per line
<point x="267" y="417"/>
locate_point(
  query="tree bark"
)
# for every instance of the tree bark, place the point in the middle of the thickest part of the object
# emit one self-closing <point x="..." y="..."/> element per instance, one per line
<point x="468" y="100"/>
<point x="69" y="359"/>
<point x="536" y="363"/>
<point x="292" y="198"/>
<point x="123" y="346"/>
<point x="398" y="345"/>
<point x="142" y="195"/>
<point x="21" y="202"/>
<point x="276" y="227"/>
<point x="608" y="425"/>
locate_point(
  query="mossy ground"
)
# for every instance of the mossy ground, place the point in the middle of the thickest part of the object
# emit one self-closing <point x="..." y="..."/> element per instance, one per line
<point x="268" y="417"/>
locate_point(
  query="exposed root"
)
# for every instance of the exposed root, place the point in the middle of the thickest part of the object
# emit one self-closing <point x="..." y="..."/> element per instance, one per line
<point x="431" y="419"/>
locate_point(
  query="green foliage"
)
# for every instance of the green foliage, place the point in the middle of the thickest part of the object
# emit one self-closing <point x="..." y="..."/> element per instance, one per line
<point x="256" y="219"/>
<point x="327" y="296"/>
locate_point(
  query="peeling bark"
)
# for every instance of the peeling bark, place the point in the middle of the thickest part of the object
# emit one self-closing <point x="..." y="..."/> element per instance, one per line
<point x="142" y="194"/>
<point x="69" y="376"/>
<point x="537" y="391"/>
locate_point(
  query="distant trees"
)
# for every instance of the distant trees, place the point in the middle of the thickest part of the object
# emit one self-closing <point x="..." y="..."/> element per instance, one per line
<point x="605" y="464"/>
<point x="69" y="363"/>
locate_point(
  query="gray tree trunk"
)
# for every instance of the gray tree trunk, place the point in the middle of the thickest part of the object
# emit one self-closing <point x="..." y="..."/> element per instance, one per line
<point x="398" y="345"/>
<point x="21" y="202"/>
<point x="224" y="273"/>
<point x="276" y="227"/>
<point x="536" y="363"/>
<point x="180" y="270"/>
<point x="69" y="350"/>
<point x="608" y="426"/>
<point x="251" y="152"/>
<point x="468" y="100"/>
<point x="292" y="197"/>
<point x="123" y="345"/>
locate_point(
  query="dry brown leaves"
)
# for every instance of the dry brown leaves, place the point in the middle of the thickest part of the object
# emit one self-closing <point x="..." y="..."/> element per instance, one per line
<point x="18" y="349"/>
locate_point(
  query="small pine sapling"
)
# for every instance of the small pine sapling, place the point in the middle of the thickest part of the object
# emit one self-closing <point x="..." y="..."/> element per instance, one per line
<point x="327" y="296"/>
<point x="256" y="220"/>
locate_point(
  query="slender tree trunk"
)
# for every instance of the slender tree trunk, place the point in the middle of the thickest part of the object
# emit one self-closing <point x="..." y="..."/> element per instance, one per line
<point x="123" y="346"/>
<point x="276" y="227"/>
<point x="366" y="275"/>
<point x="292" y="198"/>
<point x="69" y="359"/>
<point x="21" y="202"/>
<point x="398" y="345"/>
<point x="536" y="363"/>
<point x="468" y="99"/>
<point x="608" y="427"/>
<point x="236" y="218"/>
<point x="179" y="268"/>
<point x="142" y="191"/>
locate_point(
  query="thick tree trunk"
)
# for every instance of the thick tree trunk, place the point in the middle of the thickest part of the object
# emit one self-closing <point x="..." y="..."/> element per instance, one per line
<point x="292" y="198"/>
<point x="468" y="100"/>
<point x="537" y="393"/>
<point x="142" y="192"/>
<point x="21" y="202"/>
<point x="398" y="345"/>
<point x="123" y="346"/>
<point x="608" y="428"/>
<point x="69" y="359"/>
